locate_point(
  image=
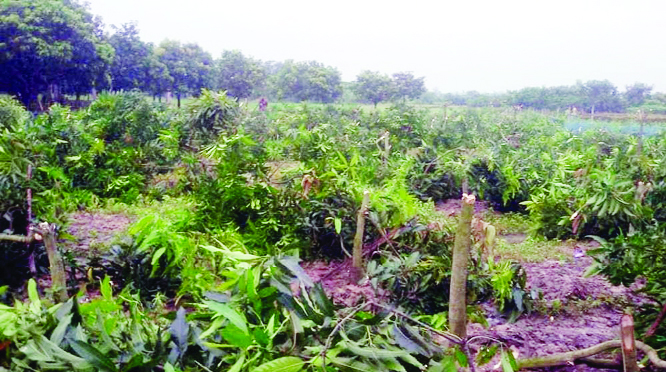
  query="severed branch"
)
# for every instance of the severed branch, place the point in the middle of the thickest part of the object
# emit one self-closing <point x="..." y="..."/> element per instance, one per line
<point x="653" y="328"/>
<point x="47" y="233"/>
<point x="567" y="358"/>
<point x="18" y="238"/>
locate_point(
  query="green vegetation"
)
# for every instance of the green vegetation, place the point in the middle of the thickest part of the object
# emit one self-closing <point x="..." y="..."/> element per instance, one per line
<point x="228" y="199"/>
<point x="57" y="51"/>
<point x="232" y="202"/>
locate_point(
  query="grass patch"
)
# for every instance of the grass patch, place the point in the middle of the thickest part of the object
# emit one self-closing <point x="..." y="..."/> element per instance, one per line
<point x="509" y="223"/>
<point x="534" y="249"/>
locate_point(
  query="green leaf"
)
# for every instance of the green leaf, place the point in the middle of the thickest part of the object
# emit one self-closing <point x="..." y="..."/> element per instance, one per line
<point x="169" y="368"/>
<point x="284" y="364"/>
<point x="33" y="295"/>
<point x="179" y="331"/>
<point x="105" y="288"/>
<point x="338" y="225"/>
<point x="59" y="332"/>
<point x="261" y="336"/>
<point x="239" y="363"/>
<point x="236" y="337"/>
<point x="486" y="354"/>
<point x="290" y="265"/>
<point x="461" y="358"/>
<point x="232" y="315"/>
<point x="403" y="340"/>
<point x="94" y="356"/>
<point x="507" y="366"/>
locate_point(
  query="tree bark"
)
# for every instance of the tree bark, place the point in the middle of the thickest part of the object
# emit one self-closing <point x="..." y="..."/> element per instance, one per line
<point x="358" y="238"/>
<point x="17" y="238"/>
<point x="628" y="344"/>
<point x="458" y="290"/>
<point x="58" y="276"/>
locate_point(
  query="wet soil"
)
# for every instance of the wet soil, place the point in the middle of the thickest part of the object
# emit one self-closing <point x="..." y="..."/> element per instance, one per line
<point x="93" y="231"/>
<point x="338" y="280"/>
<point x="452" y="207"/>
<point x="573" y="311"/>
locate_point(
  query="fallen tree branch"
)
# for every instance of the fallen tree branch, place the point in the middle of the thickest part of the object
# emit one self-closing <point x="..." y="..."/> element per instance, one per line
<point x="568" y="357"/>
<point x="18" y="238"/>
<point x="599" y="363"/>
<point x="447" y="335"/>
<point x="653" y="328"/>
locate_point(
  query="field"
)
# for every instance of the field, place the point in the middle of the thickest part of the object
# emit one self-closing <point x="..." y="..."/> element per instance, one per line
<point x="219" y="237"/>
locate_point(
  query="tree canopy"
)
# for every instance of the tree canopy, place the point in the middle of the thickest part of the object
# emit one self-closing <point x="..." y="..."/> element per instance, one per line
<point x="239" y="75"/>
<point x="50" y="43"/>
<point x="374" y="87"/>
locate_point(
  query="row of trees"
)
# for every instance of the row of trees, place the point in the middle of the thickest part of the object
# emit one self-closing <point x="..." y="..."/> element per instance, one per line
<point x="591" y="96"/>
<point x="56" y="47"/>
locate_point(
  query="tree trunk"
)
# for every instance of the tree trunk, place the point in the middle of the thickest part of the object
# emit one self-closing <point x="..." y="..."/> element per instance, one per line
<point x="178" y="95"/>
<point x="58" y="277"/>
<point x="358" y="238"/>
<point x="48" y="234"/>
<point x="458" y="290"/>
<point x="628" y="344"/>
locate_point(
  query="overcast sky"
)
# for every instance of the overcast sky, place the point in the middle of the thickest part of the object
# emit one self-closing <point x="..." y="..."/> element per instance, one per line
<point x="489" y="46"/>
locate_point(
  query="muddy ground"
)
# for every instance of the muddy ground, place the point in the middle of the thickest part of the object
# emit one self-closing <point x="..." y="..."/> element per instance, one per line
<point x="95" y="230"/>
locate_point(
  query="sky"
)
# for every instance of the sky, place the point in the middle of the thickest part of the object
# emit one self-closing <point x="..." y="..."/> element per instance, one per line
<point x="463" y="45"/>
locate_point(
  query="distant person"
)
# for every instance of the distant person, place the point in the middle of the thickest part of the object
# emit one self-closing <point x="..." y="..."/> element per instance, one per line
<point x="263" y="103"/>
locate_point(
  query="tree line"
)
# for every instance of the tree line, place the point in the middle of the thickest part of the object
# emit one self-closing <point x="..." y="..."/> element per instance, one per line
<point x="591" y="96"/>
<point x="53" y="48"/>
<point x="49" y="48"/>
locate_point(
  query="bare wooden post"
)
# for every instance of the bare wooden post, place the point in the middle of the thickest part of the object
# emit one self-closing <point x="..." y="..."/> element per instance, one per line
<point x="358" y="238"/>
<point x="628" y="343"/>
<point x="458" y="290"/>
<point x="58" y="277"/>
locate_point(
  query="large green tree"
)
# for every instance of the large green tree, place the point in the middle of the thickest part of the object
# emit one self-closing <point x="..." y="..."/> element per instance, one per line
<point x="239" y="75"/>
<point x="306" y="81"/>
<point x="602" y="96"/>
<point x="50" y="43"/>
<point x="374" y="87"/>
<point x="408" y="86"/>
<point x="131" y="66"/>
<point x="637" y="93"/>
<point x="189" y="66"/>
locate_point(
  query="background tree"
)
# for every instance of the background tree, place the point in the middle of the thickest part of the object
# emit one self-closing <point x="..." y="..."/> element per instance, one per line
<point x="602" y="96"/>
<point x="189" y="67"/>
<point x="637" y="94"/>
<point x="240" y="76"/>
<point x="49" y="43"/>
<point x="306" y="81"/>
<point x="130" y="67"/>
<point x="407" y="86"/>
<point x="374" y="87"/>
<point x="158" y="79"/>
